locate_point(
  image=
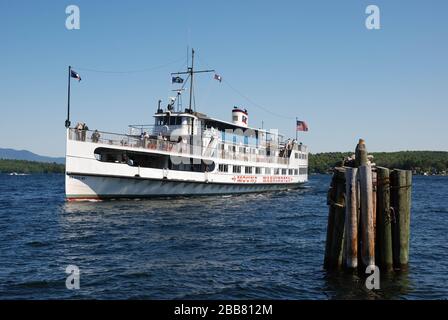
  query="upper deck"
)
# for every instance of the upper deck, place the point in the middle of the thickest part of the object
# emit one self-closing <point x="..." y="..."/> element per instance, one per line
<point x="153" y="141"/>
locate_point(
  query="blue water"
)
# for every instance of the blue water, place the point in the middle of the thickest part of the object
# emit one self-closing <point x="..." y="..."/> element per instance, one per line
<point x="261" y="246"/>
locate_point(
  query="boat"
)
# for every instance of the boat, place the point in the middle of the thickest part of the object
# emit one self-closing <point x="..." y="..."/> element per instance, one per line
<point x="18" y="174"/>
<point x="183" y="153"/>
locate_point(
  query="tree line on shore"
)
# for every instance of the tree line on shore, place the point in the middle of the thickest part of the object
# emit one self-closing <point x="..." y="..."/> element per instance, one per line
<point x="24" y="166"/>
<point x="420" y="162"/>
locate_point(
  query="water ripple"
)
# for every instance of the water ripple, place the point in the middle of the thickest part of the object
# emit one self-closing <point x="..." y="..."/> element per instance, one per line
<point x="257" y="246"/>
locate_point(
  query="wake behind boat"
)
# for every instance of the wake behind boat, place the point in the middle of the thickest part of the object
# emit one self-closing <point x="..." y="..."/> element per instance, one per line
<point x="183" y="153"/>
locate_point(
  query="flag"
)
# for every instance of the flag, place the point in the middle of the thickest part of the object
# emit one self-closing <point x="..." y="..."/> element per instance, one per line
<point x="177" y="80"/>
<point x="301" y="126"/>
<point x="218" y="77"/>
<point x="75" y="75"/>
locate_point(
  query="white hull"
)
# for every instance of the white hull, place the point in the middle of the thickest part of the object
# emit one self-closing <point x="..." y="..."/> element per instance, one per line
<point x="85" y="187"/>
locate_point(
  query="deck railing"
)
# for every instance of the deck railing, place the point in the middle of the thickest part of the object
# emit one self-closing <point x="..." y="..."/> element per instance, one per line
<point x="176" y="148"/>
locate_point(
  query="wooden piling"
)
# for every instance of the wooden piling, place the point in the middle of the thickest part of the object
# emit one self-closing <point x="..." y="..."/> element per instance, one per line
<point x="367" y="225"/>
<point x="360" y="153"/>
<point x="336" y="221"/>
<point x="384" y="221"/>
<point x="369" y="216"/>
<point x="374" y="199"/>
<point x="350" y="260"/>
<point x="401" y="181"/>
<point x="408" y="213"/>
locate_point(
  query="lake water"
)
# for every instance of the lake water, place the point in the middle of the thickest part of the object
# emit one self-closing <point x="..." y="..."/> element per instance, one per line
<point x="265" y="246"/>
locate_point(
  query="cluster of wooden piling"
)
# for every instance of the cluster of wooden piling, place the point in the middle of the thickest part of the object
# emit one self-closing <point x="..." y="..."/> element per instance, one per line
<point x="369" y="215"/>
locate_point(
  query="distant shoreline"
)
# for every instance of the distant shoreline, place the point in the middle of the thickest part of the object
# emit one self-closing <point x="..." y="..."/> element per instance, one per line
<point x="29" y="167"/>
<point x="419" y="162"/>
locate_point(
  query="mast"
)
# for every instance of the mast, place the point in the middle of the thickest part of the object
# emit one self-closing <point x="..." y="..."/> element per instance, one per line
<point x="191" y="77"/>
<point x="190" y="71"/>
<point x="67" y="121"/>
<point x="296" y="130"/>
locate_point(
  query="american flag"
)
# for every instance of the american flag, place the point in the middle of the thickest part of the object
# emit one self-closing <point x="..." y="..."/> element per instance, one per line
<point x="301" y="126"/>
<point x="75" y="75"/>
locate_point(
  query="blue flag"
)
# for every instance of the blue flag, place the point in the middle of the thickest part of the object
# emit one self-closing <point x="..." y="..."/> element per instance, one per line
<point x="177" y="80"/>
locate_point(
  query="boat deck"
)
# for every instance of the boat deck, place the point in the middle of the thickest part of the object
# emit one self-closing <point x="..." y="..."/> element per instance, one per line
<point x="153" y="143"/>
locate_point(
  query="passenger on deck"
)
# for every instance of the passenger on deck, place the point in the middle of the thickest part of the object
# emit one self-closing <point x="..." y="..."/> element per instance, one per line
<point x="165" y="143"/>
<point x="159" y="140"/>
<point x="124" y="158"/>
<point x="78" y="128"/>
<point x="95" y="136"/>
<point x="145" y="139"/>
<point x="85" y="128"/>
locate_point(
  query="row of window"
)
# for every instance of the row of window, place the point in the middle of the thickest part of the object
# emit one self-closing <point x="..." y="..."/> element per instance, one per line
<point x="261" y="152"/>
<point x="259" y="170"/>
<point x="233" y="148"/>
<point x="173" y="121"/>
<point x="301" y="155"/>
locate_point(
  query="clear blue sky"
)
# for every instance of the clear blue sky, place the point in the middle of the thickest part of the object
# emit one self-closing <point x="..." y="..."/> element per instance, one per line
<point x="310" y="59"/>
